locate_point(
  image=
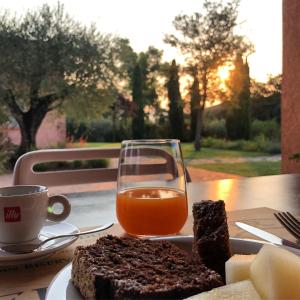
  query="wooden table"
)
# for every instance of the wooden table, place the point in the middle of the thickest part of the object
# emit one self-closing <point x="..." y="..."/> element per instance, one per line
<point x="246" y="200"/>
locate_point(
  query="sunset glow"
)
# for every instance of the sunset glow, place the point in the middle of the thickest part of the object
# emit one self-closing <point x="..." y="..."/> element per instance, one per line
<point x="224" y="74"/>
<point x="138" y="21"/>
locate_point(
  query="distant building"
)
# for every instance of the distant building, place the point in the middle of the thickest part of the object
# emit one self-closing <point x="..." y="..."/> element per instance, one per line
<point x="52" y="131"/>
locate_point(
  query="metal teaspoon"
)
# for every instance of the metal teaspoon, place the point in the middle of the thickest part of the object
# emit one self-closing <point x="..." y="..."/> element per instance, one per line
<point x="31" y="247"/>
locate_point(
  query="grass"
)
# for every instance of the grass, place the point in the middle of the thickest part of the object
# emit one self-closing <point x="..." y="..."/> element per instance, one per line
<point x="247" y="169"/>
<point x="188" y="151"/>
<point x="93" y="145"/>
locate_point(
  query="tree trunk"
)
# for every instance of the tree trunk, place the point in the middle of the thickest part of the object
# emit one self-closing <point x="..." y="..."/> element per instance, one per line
<point x="198" y="135"/>
<point x="200" y="110"/>
<point x="29" y="125"/>
<point x="114" y="126"/>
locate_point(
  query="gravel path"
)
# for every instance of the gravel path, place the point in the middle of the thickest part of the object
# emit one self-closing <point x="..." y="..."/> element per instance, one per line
<point x="227" y="160"/>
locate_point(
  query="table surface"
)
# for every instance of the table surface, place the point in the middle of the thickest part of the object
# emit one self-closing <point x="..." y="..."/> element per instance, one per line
<point x="250" y="200"/>
<point x="280" y="192"/>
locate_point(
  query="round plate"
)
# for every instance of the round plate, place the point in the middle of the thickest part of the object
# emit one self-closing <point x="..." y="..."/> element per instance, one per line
<point x="49" y="230"/>
<point x="62" y="288"/>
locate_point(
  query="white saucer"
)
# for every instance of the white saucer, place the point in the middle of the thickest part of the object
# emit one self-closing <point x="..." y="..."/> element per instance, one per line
<point x="62" y="287"/>
<point x="50" y="229"/>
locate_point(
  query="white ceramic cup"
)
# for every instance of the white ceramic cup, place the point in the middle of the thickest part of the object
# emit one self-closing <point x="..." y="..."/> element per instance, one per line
<point x="24" y="209"/>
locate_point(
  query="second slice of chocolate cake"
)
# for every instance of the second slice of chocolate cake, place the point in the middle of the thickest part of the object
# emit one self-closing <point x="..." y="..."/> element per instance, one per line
<point x="211" y="236"/>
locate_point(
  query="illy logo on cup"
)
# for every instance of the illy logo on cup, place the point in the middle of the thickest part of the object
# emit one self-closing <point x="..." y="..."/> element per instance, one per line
<point x="12" y="214"/>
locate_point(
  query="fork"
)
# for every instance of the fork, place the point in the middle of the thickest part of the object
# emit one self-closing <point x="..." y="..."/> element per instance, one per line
<point x="290" y="223"/>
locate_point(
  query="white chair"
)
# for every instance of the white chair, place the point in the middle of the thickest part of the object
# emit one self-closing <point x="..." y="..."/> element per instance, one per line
<point x="24" y="168"/>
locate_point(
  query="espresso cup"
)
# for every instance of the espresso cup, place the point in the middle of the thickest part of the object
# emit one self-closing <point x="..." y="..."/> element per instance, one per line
<point x="24" y="209"/>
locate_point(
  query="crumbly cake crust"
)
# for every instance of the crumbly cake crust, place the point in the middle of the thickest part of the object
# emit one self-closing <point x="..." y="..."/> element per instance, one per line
<point x="211" y="236"/>
<point x="131" y="268"/>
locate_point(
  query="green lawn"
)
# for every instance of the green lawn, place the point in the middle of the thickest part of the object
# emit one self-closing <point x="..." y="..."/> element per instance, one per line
<point x="247" y="169"/>
<point x="188" y="151"/>
<point x="94" y="145"/>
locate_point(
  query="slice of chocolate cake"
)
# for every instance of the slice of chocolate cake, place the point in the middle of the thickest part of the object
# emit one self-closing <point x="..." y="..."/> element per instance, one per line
<point x="131" y="268"/>
<point x="211" y="236"/>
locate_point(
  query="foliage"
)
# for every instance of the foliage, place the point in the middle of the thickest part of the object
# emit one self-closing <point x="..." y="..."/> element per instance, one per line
<point x="6" y="152"/>
<point x="120" y="110"/>
<point x="260" y="144"/>
<point x="215" y="128"/>
<point x="268" y="128"/>
<point x="195" y="99"/>
<point x="47" y="59"/>
<point x="271" y="87"/>
<point x="143" y="84"/>
<point x="71" y="165"/>
<point x="175" y="103"/>
<point x="238" y="122"/>
<point x="295" y="156"/>
<point x="207" y="40"/>
<point x="265" y="101"/>
<point x="138" y="120"/>
<point x="97" y="131"/>
<point x="266" y="98"/>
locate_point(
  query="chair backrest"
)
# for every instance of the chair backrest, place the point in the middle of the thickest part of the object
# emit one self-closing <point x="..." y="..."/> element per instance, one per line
<point x="24" y="168"/>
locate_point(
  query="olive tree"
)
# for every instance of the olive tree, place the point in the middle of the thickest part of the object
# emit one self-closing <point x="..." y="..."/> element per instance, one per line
<point x="47" y="59"/>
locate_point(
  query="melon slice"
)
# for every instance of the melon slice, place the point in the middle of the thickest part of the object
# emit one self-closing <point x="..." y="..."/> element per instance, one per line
<point x="237" y="268"/>
<point x="275" y="273"/>
<point x="236" y="291"/>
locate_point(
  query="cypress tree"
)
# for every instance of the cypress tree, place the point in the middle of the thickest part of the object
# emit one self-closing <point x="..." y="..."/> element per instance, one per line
<point x="238" y="120"/>
<point x="175" y="103"/>
<point x="195" y="100"/>
<point x="138" y="123"/>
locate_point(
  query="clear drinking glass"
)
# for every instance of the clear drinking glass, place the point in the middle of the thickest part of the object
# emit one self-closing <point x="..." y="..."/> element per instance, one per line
<point x="151" y="193"/>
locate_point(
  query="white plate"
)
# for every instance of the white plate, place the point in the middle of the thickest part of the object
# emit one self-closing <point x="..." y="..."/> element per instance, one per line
<point x="62" y="288"/>
<point x="49" y="230"/>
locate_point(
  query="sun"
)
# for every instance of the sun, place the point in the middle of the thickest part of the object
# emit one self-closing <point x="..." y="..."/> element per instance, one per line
<point x="224" y="71"/>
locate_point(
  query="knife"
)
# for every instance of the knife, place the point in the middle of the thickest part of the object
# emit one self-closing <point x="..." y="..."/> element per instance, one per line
<point x="267" y="236"/>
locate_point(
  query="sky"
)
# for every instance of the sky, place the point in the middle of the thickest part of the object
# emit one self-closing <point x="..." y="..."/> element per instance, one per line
<point x="146" y="22"/>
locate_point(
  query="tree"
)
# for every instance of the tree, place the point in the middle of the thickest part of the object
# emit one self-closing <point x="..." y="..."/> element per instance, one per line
<point x="207" y="40"/>
<point x="143" y="84"/>
<point x="176" y="118"/>
<point x="138" y="121"/>
<point x="266" y="98"/>
<point x="195" y="99"/>
<point x="46" y="59"/>
<point x="238" y="121"/>
<point x="120" y="110"/>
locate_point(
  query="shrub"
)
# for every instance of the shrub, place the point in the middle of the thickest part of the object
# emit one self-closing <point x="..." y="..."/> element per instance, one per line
<point x="259" y="144"/>
<point x="98" y="131"/>
<point x="215" y="128"/>
<point x="6" y="152"/>
<point x="273" y="147"/>
<point x="75" y="130"/>
<point x="269" y="128"/>
<point x="71" y="165"/>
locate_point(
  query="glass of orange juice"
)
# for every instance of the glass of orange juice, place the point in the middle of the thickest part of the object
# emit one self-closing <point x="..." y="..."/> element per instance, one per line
<point x="151" y="192"/>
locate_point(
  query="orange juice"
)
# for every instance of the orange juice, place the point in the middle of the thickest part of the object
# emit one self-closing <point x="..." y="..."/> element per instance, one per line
<point x="151" y="211"/>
